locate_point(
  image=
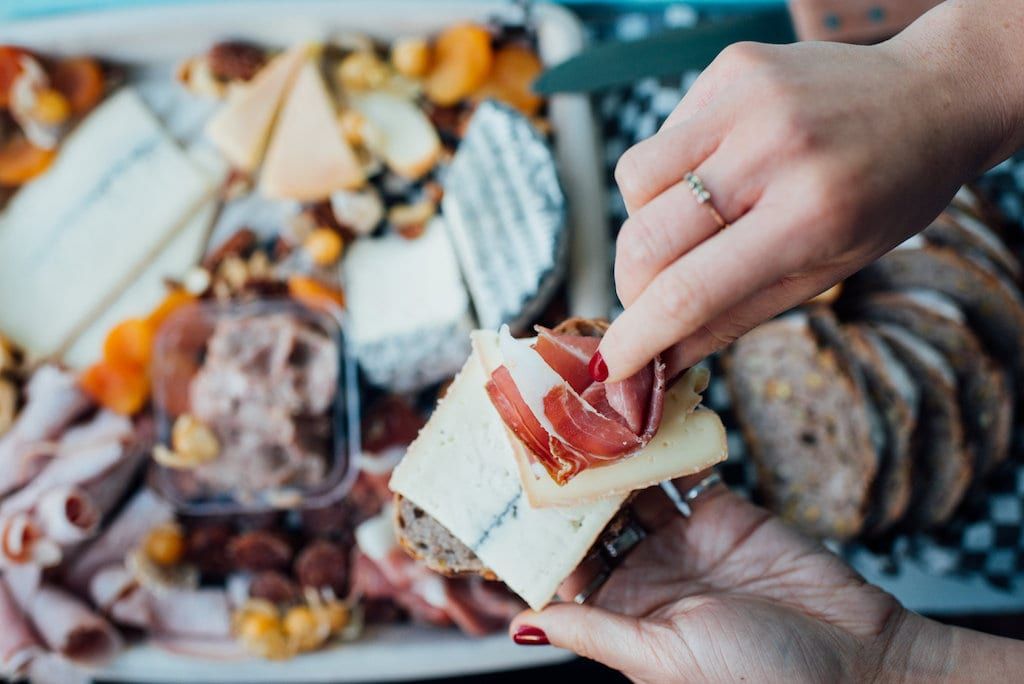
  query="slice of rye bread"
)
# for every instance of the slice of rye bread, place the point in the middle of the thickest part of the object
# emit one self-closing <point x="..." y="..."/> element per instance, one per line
<point x="428" y="541"/>
<point x="986" y="394"/>
<point x="942" y="464"/>
<point x="993" y="305"/>
<point x="897" y="397"/>
<point x="958" y="230"/>
<point x="807" y="426"/>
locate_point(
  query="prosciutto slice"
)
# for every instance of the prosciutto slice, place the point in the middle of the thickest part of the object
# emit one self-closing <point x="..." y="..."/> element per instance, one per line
<point x="54" y="401"/>
<point x="568" y="422"/>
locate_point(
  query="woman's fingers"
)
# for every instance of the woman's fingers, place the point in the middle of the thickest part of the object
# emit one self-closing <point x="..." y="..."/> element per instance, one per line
<point x="651" y="166"/>
<point x="671" y="224"/>
<point x="617" y="641"/>
<point x="711" y="278"/>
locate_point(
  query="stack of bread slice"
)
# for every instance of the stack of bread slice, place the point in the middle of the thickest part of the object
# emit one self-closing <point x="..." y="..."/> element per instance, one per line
<point x="878" y="414"/>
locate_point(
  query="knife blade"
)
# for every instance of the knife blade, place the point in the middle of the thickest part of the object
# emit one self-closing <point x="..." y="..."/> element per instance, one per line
<point x="670" y="52"/>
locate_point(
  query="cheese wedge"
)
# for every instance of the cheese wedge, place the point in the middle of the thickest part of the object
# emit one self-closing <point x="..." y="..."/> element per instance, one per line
<point x="147" y="291"/>
<point x="462" y="471"/>
<point x="76" y="237"/>
<point x="241" y="128"/>
<point x="687" y="442"/>
<point x="308" y="158"/>
<point x="405" y="137"/>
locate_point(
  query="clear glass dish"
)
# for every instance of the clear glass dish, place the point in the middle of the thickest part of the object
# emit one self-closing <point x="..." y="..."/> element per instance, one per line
<point x="271" y="382"/>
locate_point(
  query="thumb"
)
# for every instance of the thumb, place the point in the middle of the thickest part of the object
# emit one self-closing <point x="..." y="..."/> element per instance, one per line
<point x="617" y="641"/>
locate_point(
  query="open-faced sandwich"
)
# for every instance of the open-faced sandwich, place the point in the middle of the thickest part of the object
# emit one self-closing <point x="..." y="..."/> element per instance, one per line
<point x="526" y="459"/>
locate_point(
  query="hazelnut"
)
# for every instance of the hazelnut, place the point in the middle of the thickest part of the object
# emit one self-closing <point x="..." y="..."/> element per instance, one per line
<point x="324" y="246"/>
<point x="362" y="70"/>
<point x="411" y="56"/>
<point x="411" y="219"/>
<point x="193" y="440"/>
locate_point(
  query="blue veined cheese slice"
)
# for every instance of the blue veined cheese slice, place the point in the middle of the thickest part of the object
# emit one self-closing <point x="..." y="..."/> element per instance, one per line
<point x="119" y="189"/>
<point x="506" y="214"/>
<point x="462" y="471"/>
<point x="408" y="311"/>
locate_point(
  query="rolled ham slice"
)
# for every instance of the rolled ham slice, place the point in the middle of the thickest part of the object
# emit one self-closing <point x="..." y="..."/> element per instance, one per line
<point x="67" y="515"/>
<point x="54" y="401"/>
<point x="142" y="513"/>
<point x="19" y="643"/>
<point x="544" y="394"/>
<point x="82" y="462"/>
<point x="67" y="626"/>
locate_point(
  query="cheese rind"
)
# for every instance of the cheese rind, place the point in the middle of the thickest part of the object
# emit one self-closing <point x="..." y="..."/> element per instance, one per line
<point x="308" y="158"/>
<point x="241" y="128"/>
<point x="687" y="442"/>
<point x="461" y="471"/>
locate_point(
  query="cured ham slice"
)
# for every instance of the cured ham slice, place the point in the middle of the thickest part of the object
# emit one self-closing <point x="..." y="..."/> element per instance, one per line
<point x="86" y="458"/>
<point x="141" y="514"/>
<point x="544" y="394"/>
<point x="54" y="401"/>
<point x="66" y="625"/>
<point x="67" y="515"/>
<point x="18" y="642"/>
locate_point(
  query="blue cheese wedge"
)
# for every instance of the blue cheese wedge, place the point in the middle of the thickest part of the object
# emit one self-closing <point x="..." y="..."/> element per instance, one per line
<point x="506" y="214"/>
<point x="466" y="470"/>
<point x="408" y="312"/>
<point x="117" y="193"/>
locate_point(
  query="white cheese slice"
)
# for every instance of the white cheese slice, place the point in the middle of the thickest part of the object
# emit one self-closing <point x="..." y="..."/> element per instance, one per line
<point x="408" y="141"/>
<point x="147" y="291"/>
<point x="242" y="126"/>
<point x="69" y="242"/>
<point x="687" y="442"/>
<point x="461" y="470"/>
<point x="408" y="312"/>
<point x="308" y="158"/>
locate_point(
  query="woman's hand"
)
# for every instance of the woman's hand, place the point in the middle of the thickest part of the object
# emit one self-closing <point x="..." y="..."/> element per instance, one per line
<point x="732" y="594"/>
<point x="821" y="157"/>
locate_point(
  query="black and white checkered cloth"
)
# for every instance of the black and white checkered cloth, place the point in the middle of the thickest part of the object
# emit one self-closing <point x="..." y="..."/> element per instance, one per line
<point x="987" y="536"/>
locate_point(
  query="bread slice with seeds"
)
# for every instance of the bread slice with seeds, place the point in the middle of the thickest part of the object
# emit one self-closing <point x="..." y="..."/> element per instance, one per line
<point x="806" y="422"/>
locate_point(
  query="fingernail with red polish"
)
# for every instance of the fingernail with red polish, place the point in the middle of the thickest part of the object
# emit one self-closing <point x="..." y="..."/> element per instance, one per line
<point x="598" y="368"/>
<point x="530" y="636"/>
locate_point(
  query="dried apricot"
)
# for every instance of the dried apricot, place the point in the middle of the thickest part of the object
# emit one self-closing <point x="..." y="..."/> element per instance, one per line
<point x="174" y="300"/>
<point x="511" y="79"/>
<point x="462" y="60"/>
<point x="80" y="80"/>
<point x="117" y="386"/>
<point x="10" y="67"/>
<point x="21" y="161"/>
<point x="315" y="294"/>
<point x="130" y="342"/>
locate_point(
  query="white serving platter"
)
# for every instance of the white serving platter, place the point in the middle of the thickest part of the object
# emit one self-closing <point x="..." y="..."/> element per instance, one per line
<point x="154" y="39"/>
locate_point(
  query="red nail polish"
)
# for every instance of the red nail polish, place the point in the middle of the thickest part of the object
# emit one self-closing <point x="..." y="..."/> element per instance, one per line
<point x="598" y="368"/>
<point x="530" y="636"/>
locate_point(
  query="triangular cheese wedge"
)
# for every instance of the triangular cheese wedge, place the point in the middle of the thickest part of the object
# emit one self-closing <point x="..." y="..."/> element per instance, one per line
<point x="408" y="141"/>
<point x="308" y="158"/>
<point x="687" y="442"/>
<point x="242" y="126"/>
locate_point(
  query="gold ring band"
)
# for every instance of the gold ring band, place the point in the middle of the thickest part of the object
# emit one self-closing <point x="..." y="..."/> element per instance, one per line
<point x="703" y="197"/>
